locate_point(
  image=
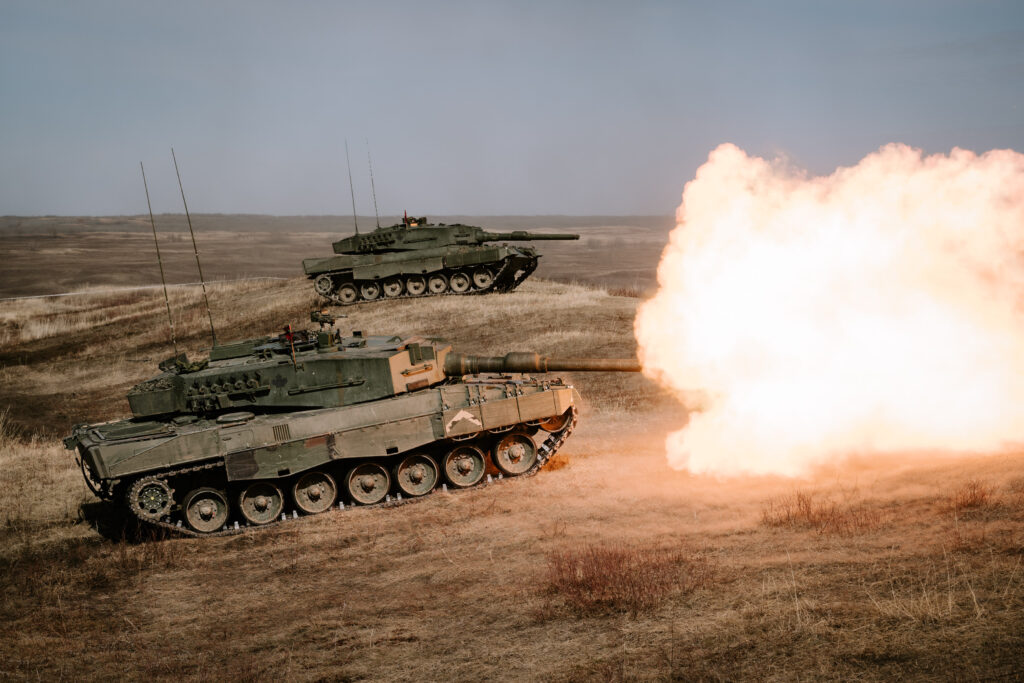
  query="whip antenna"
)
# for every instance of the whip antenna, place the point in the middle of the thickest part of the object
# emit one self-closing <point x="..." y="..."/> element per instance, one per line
<point x="373" y="188"/>
<point x="350" y="188"/>
<point x="195" y="249"/>
<point x="167" y="301"/>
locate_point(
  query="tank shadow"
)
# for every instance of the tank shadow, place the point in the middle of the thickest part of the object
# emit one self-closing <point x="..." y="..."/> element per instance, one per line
<point x="113" y="523"/>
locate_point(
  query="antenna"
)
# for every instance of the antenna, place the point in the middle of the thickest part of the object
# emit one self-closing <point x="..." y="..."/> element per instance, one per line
<point x="350" y="190"/>
<point x="195" y="249"/>
<point x="373" y="188"/>
<point x="167" y="301"/>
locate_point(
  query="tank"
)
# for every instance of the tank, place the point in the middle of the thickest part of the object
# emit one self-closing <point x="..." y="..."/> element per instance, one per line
<point x="415" y="258"/>
<point x="304" y="421"/>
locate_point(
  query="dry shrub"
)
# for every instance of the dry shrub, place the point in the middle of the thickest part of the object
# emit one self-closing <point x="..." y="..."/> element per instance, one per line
<point x="596" y="579"/>
<point x="631" y="292"/>
<point x="972" y="495"/>
<point x="802" y="511"/>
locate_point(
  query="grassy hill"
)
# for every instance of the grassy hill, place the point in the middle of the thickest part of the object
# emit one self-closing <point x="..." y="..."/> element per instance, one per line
<point x="606" y="566"/>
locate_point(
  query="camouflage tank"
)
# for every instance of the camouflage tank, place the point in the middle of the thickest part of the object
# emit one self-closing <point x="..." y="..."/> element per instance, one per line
<point x="305" y="421"/>
<point x="415" y="258"/>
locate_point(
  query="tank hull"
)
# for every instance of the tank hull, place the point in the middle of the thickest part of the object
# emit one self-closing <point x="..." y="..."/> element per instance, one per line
<point x="239" y="455"/>
<point x="347" y="279"/>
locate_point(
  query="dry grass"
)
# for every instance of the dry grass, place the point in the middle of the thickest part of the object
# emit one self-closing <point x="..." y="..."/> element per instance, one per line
<point x="632" y="292"/>
<point x="972" y="495"/>
<point x="620" y="578"/>
<point x="40" y="486"/>
<point x="873" y="572"/>
<point x="805" y="510"/>
<point x="49" y="255"/>
<point x="955" y="590"/>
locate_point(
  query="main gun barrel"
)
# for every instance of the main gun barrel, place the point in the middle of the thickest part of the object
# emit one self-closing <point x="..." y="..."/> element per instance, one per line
<point x="458" y="364"/>
<point x="523" y="236"/>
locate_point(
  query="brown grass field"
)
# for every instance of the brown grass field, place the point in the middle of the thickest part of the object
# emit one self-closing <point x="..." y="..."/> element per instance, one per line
<point x="608" y="565"/>
<point x="49" y="255"/>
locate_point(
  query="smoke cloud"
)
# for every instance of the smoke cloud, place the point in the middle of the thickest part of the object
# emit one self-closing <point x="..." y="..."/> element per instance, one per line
<point x="875" y="309"/>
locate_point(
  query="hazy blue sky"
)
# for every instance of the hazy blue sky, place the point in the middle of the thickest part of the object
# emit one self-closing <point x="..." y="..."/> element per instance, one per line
<point x="478" y="107"/>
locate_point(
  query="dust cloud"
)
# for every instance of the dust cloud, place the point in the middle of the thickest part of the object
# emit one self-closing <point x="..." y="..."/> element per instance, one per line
<point x="876" y="309"/>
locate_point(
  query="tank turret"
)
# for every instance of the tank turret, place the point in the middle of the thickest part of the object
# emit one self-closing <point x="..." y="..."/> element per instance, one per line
<point x="293" y="371"/>
<point x="304" y="419"/>
<point x="308" y="369"/>
<point x="415" y="258"/>
<point x="403" y="237"/>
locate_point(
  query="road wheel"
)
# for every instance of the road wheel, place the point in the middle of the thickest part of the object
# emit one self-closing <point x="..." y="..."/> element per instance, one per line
<point x="368" y="483"/>
<point x="393" y="287"/>
<point x="369" y="290"/>
<point x="416" y="285"/>
<point x="464" y="466"/>
<point x="460" y="283"/>
<point x="206" y="509"/>
<point x="347" y="293"/>
<point x="261" y="502"/>
<point x="437" y="283"/>
<point x="416" y="475"/>
<point x="483" y="278"/>
<point x="323" y="284"/>
<point x="514" y="454"/>
<point x="314" y="492"/>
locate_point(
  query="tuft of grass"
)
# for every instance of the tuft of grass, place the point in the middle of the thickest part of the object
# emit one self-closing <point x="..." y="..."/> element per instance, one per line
<point x="954" y="591"/>
<point x="972" y="495"/>
<point x="802" y="510"/>
<point x="597" y="579"/>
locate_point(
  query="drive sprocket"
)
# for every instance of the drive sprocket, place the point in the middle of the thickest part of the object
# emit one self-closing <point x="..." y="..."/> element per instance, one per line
<point x="150" y="498"/>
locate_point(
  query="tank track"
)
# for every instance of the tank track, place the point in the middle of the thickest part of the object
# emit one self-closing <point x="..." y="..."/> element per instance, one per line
<point x="504" y="281"/>
<point x="545" y="451"/>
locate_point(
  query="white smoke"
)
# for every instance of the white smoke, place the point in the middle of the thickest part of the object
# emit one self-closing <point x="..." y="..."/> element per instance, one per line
<point x="876" y="309"/>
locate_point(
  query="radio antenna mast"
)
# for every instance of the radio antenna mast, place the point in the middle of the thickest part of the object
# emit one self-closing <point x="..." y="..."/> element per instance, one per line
<point x="195" y="249"/>
<point x="373" y="188"/>
<point x="350" y="188"/>
<point x="167" y="301"/>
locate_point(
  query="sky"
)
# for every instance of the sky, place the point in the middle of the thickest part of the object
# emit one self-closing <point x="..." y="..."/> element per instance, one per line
<point x="485" y="108"/>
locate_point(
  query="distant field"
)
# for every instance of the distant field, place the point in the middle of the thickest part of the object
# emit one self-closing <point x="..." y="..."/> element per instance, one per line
<point x="607" y="566"/>
<point x="48" y="255"/>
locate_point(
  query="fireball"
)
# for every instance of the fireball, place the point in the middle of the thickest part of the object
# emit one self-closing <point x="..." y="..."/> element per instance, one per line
<point x="802" y="319"/>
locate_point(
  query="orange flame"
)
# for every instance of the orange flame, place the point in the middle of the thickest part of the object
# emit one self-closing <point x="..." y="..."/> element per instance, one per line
<point x="876" y="309"/>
